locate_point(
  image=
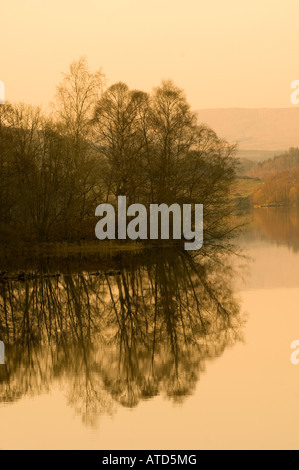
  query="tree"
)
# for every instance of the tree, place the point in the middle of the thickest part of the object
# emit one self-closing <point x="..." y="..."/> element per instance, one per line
<point x="100" y="145"/>
<point x="173" y="127"/>
<point x="76" y="97"/>
<point x="120" y="134"/>
<point x="7" y="196"/>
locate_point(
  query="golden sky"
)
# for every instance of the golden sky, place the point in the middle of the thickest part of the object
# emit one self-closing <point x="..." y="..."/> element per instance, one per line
<point x="224" y="53"/>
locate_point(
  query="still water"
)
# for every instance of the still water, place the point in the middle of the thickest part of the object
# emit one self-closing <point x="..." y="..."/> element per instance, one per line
<point x="157" y="350"/>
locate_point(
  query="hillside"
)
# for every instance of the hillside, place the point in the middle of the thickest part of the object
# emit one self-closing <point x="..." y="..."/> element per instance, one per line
<point x="260" y="133"/>
<point x="286" y="161"/>
<point x="273" y="182"/>
<point x="280" y="189"/>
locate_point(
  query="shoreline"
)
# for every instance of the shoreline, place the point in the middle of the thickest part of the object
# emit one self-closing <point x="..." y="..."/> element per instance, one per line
<point x="65" y="250"/>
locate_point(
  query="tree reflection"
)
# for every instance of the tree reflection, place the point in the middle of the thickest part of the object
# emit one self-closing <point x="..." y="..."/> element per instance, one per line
<point x="118" y="337"/>
<point x="277" y="224"/>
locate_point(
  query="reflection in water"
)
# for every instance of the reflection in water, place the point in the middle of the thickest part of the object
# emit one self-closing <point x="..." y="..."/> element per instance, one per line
<point x="115" y="338"/>
<point x="277" y="224"/>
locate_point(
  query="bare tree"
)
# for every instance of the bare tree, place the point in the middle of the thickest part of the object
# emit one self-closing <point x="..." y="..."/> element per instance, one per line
<point x="119" y="135"/>
<point x="76" y="97"/>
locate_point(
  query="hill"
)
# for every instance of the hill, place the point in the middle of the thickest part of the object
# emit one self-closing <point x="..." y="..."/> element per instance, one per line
<point x="273" y="182"/>
<point x="286" y="161"/>
<point x="260" y="133"/>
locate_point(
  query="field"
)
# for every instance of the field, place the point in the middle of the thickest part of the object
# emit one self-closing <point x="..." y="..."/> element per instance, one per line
<point x="244" y="187"/>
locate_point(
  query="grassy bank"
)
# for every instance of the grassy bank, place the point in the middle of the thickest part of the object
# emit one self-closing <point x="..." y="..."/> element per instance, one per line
<point x="80" y="249"/>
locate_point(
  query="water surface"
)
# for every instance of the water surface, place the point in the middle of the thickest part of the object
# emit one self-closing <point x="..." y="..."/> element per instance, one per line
<point x="154" y="351"/>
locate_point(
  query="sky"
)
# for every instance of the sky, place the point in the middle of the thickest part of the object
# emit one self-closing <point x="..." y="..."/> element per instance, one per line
<point x="223" y="53"/>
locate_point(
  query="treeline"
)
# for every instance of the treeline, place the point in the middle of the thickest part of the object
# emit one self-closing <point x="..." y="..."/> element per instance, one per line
<point x="245" y="166"/>
<point x="285" y="161"/>
<point x="98" y="144"/>
<point x="280" y="189"/>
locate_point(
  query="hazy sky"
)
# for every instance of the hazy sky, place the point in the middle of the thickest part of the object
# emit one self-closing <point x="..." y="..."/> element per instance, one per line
<point x="224" y="53"/>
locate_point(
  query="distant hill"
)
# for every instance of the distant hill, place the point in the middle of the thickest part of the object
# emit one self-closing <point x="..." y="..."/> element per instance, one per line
<point x="287" y="161"/>
<point x="260" y="133"/>
<point x="256" y="156"/>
